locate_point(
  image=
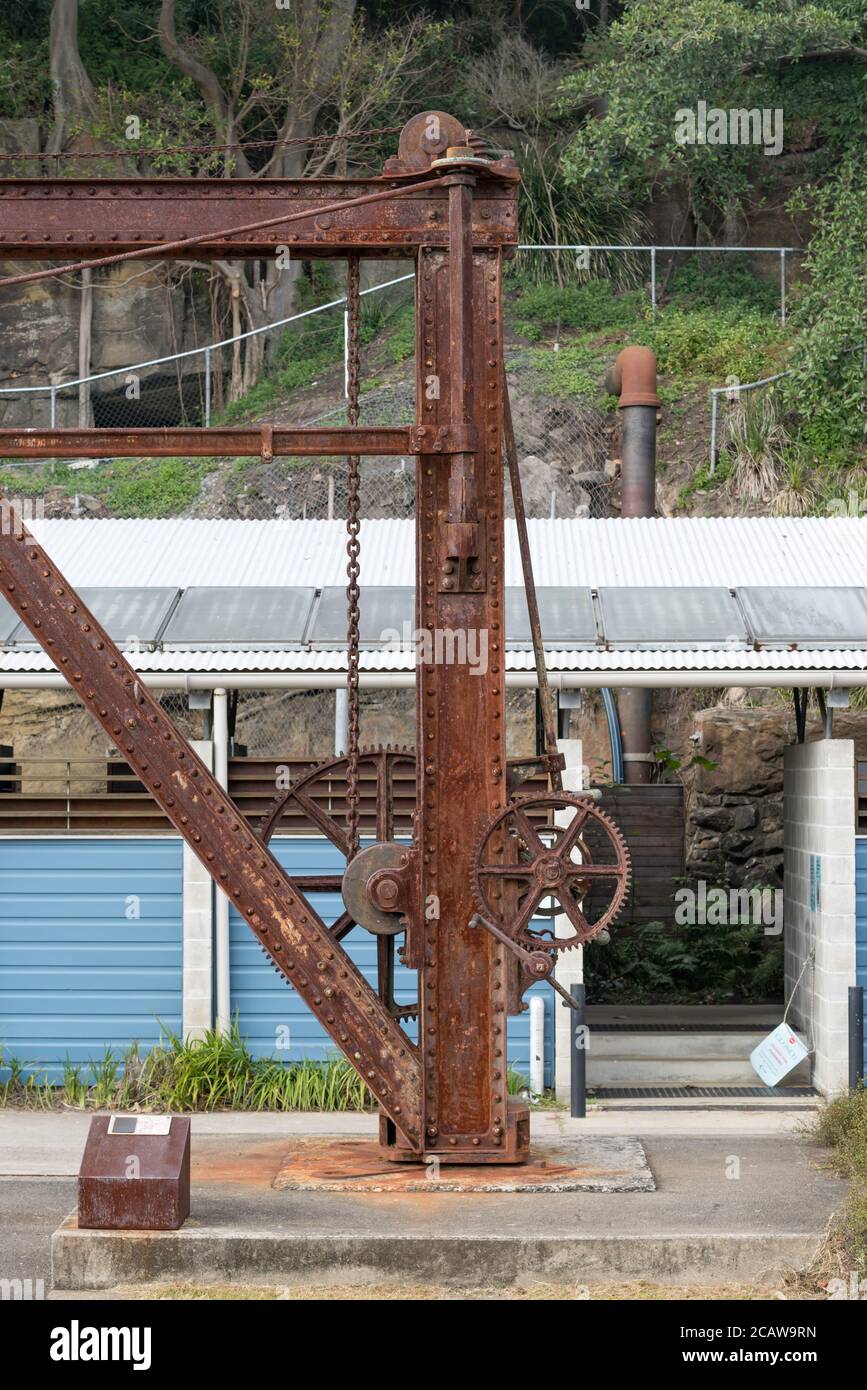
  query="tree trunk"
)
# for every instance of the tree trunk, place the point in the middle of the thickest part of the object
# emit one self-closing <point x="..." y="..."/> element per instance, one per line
<point x="73" y="90"/>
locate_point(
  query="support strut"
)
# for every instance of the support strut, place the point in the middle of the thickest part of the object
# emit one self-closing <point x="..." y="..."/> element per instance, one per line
<point x="293" y="934"/>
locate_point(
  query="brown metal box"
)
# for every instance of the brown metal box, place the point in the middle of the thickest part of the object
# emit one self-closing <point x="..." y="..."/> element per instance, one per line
<point x="134" y="1180"/>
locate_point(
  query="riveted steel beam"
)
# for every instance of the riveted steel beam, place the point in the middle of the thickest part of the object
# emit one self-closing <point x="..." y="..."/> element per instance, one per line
<point x="205" y="443"/>
<point x="50" y="219"/>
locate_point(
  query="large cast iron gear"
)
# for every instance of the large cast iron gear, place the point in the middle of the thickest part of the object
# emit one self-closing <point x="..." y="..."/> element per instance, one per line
<point x="525" y="858"/>
<point x="318" y="796"/>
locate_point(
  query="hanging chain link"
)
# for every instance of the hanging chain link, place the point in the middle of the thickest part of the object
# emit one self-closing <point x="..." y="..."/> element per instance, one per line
<point x="353" y="550"/>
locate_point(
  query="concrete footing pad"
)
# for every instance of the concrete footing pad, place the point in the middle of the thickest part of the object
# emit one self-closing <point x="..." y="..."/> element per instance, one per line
<point x="592" y="1164"/>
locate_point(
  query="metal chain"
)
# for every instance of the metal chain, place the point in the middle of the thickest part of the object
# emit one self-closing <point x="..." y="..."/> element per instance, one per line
<point x="353" y="549"/>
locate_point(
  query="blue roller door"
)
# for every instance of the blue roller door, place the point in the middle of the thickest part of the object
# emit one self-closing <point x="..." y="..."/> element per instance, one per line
<point x="861" y="921"/>
<point x="91" y="943"/>
<point x="276" y="1022"/>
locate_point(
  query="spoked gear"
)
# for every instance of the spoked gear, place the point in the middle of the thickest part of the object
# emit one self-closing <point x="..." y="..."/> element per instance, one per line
<point x="525" y="857"/>
<point x="318" y="798"/>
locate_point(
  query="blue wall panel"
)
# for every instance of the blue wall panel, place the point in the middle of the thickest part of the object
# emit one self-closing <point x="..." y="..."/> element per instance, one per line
<point x="77" y="975"/>
<point x="275" y="1021"/>
<point x="861" y="921"/>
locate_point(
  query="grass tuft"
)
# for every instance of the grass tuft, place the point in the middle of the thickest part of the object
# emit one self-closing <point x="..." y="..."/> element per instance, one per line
<point x="217" y="1072"/>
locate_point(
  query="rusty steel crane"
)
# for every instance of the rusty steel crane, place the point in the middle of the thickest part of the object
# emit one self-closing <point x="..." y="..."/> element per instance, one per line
<point x="461" y="902"/>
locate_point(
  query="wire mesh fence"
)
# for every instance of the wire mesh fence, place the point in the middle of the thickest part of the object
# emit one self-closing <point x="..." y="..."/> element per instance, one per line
<point x="563" y="443"/>
<point x="52" y="747"/>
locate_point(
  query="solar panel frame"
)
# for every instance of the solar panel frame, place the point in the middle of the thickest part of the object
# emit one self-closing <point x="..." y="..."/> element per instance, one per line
<point x="803" y="616"/>
<point x="671" y="617"/>
<point x="384" y="609"/>
<point x="9" y="621"/>
<point x="225" y="618"/>
<point x="566" y="616"/>
<point x="140" y="622"/>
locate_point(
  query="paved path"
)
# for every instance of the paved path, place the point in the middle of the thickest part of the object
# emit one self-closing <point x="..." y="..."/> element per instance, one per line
<point x="726" y="1181"/>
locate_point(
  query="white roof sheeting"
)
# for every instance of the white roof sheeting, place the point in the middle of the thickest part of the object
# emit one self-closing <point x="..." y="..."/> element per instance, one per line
<point x="728" y="552"/>
<point x="731" y="551"/>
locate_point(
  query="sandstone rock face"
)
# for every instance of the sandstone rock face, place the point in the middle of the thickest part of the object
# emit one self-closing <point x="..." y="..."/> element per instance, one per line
<point x="131" y="324"/>
<point x="735" y="828"/>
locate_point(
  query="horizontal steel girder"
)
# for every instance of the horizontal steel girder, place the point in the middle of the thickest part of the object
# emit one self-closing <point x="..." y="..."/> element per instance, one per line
<point x="205" y="443"/>
<point x="53" y="219"/>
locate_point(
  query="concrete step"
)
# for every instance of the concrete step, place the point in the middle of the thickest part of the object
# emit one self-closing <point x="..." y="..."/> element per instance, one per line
<point x="678" y="1059"/>
<point x="646" y="1046"/>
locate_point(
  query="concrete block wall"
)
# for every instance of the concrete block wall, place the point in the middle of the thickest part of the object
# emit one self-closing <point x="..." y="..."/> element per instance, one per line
<point x="819" y="816"/>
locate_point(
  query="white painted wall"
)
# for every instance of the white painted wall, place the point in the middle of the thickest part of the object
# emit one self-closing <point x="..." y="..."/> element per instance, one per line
<point x="569" y="969"/>
<point x="819" y="808"/>
<point x="198" y="897"/>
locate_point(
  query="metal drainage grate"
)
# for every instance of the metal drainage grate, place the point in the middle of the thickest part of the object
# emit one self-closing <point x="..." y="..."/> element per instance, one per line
<point x="701" y="1092"/>
<point x="679" y="1027"/>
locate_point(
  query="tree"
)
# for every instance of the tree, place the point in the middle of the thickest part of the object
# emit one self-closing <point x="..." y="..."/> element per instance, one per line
<point x="274" y="76"/>
<point x="74" y="102"/>
<point x="658" y="60"/>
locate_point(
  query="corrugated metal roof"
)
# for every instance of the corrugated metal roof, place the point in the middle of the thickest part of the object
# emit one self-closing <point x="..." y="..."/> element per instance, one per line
<point x="728" y="551"/>
<point x="723" y="552"/>
<point x="581" y="659"/>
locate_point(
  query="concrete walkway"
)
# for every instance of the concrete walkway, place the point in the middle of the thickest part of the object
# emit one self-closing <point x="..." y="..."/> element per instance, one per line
<point x="740" y="1196"/>
<point x="39" y="1144"/>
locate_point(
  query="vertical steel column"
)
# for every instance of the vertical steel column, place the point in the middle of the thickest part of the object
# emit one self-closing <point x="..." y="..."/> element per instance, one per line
<point x="856" y="1036"/>
<point x="461" y="717"/>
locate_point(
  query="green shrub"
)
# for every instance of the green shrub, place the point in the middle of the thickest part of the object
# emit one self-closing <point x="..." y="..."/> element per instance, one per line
<point x="591" y="307"/>
<point x="214" y="1073"/>
<point x="714" y="343"/>
<point x="657" y="961"/>
<point x="719" y="282"/>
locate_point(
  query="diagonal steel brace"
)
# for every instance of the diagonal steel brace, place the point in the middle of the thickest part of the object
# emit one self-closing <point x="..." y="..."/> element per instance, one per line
<point x="295" y="937"/>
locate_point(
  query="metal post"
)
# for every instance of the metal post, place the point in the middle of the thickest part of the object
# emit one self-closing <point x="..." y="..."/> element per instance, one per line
<point x="207" y="387"/>
<point x="578" y="1036"/>
<point x="221" y="915"/>
<point x="782" y="286"/>
<point x="341" y="720"/>
<point x="653" y="280"/>
<point x="53" y="407"/>
<point x="346" y="353"/>
<point x="537" y="1045"/>
<point x="856" y="1036"/>
<point x="714" y="411"/>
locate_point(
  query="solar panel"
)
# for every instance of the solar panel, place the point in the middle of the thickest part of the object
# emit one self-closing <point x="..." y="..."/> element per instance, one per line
<point x="387" y="617"/>
<point x="671" y="617"/>
<point x="806" y="617"/>
<point x="234" y="617"/>
<point x="566" y="617"/>
<point x="131" y="617"/>
<point x="9" y="620"/>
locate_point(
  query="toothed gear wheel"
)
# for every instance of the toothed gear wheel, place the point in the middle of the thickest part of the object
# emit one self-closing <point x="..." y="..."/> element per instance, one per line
<point x="313" y="795"/>
<point x="527" y="864"/>
<point x="315" y="791"/>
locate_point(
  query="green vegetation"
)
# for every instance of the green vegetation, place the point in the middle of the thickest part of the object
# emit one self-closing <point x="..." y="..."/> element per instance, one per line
<point x="217" y="1073"/>
<point x="662" y="963"/>
<point x="828" y="386"/>
<point x="842" y="1125"/>
<point x="126" y="487"/>
<point x="590" y="307"/>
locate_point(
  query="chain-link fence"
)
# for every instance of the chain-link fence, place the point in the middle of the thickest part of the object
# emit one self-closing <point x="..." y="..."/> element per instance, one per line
<point x="563" y="437"/>
<point x="52" y="747"/>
